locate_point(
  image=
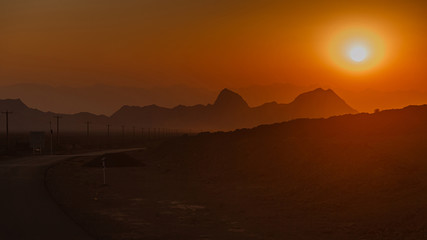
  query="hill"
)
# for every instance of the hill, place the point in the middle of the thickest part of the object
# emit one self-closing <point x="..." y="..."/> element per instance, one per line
<point x="349" y="177"/>
<point x="356" y="176"/>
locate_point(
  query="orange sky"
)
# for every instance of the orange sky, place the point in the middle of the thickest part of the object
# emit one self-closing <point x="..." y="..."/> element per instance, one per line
<point x="210" y="43"/>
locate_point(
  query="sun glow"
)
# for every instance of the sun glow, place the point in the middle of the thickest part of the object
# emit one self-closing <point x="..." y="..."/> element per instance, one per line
<point x="356" y="48"/>
<point x="358" y="53"/>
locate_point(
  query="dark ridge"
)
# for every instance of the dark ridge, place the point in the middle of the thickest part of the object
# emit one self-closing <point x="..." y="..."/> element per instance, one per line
<point x="229" y="98"/>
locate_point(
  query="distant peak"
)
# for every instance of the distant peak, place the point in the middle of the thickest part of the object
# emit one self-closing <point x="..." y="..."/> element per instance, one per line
<point x="321" y="90"/>
<point x="318" y="92"/>
<point x="229" y="98"/>
<point x="13" y="104"/>
<point x="14" y="100"/>
<point x="226" y="91"/>
<point x="321" y="96"/>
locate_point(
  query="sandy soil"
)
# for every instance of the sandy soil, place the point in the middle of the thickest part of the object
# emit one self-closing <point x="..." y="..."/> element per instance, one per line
<point x="145" y="202"/>
<point x="224" y="187"/>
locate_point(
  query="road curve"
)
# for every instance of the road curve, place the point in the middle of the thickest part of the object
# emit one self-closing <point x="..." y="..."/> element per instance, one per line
<point x="26" y="208"/>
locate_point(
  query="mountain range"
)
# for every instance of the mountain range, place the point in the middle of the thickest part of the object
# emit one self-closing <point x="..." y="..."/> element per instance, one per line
<point x="106" y="99"/>
<point x="102" y="99"/>
<point x="229" y="111"/>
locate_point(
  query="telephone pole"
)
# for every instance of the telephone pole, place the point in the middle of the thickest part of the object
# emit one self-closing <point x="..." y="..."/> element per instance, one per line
<point x="7" y="128"/>
<point x="123" y="134"/>
<point x="108" y="130"/>
<point x="51" y="136"/>
<point x="57" y="129"/>
<point x="108" y="134"/>
<point x="87" y="127"/>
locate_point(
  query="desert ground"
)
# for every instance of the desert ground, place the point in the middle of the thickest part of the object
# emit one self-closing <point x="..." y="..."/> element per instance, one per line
<point x="283" y="181"/>
<point x="27" y="209"/>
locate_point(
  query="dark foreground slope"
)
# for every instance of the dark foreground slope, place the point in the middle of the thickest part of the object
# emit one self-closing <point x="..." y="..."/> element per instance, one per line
<point x="350" y="177"/>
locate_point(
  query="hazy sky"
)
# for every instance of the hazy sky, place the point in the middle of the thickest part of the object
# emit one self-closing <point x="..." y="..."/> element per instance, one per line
<point x="211" y="44"/>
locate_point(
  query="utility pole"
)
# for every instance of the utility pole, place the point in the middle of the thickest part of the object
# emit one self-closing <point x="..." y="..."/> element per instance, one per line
<point x="87" y="127"/>
<point x="7" y="128"/>
<point x="108" y="134"/>
<point x="57" y="129"/>
<point x="51" y="138"/>
<point x="123" y="134"/>
<point x="104" y="165"/>
<point x="108" y="130"/>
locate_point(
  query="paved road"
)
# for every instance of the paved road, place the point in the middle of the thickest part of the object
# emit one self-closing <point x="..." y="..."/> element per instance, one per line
<point x="26" y="209"/>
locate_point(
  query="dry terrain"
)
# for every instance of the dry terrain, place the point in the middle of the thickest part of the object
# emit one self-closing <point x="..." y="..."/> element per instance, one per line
<point x="341" y="178"/>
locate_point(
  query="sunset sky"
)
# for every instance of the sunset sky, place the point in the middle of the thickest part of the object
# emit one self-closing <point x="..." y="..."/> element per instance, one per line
<point x="214" y="44"/>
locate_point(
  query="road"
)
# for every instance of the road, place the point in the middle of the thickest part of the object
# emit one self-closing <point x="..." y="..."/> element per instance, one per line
<point x="26" y="208"/>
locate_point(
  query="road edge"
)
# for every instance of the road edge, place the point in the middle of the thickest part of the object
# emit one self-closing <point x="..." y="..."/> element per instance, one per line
<point x="45" y="174"/>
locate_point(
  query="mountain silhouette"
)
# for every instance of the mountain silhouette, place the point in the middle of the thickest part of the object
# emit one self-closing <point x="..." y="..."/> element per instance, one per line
<point x="107" y="99"/>
<point x="101" y="98"/>
<point x="24" y="118"/>
<point x="231" y="100"/>
<point x="320" y="103"/>
<point x="12" y="105"/>
<point x="229" y="111"/>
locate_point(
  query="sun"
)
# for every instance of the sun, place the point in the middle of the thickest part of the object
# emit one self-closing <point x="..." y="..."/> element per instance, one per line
<point x="358" y="53"/>
<point x="357" y="48"/>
